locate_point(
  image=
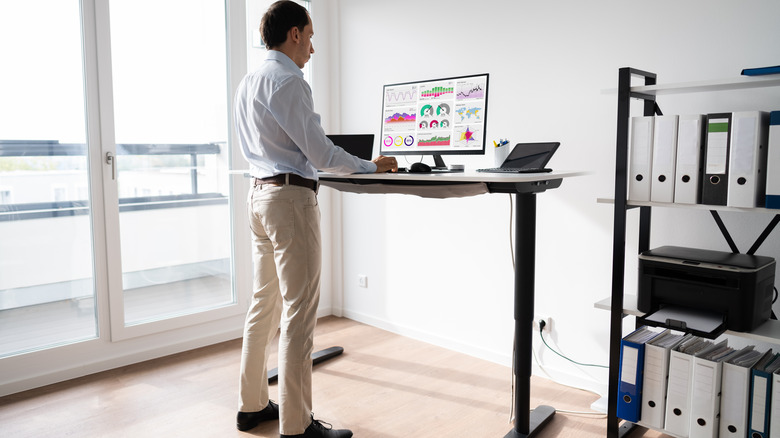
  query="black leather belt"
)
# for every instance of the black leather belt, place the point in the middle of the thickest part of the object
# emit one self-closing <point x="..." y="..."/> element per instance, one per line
<point x="288" y="178"/>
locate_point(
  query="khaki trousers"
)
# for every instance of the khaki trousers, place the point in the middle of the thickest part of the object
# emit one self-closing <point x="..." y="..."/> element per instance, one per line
<point x="287" y="257"/>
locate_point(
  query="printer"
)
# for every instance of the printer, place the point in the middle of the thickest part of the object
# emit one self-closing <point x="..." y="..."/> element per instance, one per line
<point x="737" y="288"/>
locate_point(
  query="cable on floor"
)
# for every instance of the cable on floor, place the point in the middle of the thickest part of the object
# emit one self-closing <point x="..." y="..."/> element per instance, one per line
<point x="541" y="336"/>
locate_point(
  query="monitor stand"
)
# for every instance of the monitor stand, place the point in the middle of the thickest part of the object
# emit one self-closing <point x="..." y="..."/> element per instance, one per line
<point x="439" y="162"/>
<point x="440" y="167"/>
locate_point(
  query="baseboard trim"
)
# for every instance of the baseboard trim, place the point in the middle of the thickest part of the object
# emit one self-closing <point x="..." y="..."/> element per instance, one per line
<point x="76" y="370"/>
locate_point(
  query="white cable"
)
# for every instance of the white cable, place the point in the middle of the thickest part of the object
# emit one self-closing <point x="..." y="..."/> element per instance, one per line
<point x="511" y="223"/>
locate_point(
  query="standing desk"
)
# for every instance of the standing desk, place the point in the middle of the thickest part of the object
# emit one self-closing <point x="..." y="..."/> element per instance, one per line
<point x="459" y="184"/>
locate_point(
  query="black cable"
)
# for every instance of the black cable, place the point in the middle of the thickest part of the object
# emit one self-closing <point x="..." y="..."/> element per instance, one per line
<point x="541" y="336"/>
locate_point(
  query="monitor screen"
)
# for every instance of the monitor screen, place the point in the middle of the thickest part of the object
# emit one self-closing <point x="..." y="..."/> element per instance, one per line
<point x="439" y="116"/>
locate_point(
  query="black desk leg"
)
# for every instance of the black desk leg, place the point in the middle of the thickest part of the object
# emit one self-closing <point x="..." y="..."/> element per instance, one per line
<point x="527" y="423"/>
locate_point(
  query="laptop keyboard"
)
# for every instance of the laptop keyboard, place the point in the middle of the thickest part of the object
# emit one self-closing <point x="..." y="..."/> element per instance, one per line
<point x="516" y="170"/>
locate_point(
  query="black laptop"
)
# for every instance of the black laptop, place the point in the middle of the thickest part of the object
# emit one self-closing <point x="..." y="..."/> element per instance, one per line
<point x="360" y="145"/>
<point x="527" y="158"/>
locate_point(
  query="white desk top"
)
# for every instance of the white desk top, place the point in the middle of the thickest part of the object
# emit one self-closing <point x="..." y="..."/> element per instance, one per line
<point x="446" y="185"/>
<point x="456" y="177"/>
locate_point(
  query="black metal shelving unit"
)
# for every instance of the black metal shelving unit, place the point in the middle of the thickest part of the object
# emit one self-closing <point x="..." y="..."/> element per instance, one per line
<point x="619" y="234"/>
<point x="768" y="332"/>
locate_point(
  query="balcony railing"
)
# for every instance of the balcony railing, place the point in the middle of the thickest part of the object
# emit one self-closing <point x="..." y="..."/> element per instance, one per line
<point x="49" y="166"/>
<point x="53" y="148"/>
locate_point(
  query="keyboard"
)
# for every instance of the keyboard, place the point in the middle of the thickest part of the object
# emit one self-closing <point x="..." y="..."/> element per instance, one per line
<point x="516" y="170"/>
<point x="405" y="170"/>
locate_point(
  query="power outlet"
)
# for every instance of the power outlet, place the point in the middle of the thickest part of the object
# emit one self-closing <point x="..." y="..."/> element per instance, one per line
<point x="363" y="280"/>
<point x="547" y="323"/>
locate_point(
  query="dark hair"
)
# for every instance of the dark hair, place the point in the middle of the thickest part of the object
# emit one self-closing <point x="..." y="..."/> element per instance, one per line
<point x="279" y="19"/>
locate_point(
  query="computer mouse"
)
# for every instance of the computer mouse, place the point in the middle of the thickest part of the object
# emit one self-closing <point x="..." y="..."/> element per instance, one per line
<point x="420" y="168"/>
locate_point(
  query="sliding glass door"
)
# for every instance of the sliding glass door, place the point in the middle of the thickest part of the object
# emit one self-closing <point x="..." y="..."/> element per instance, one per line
<point x="170" y="112"/>
<point x="115" y="219"/>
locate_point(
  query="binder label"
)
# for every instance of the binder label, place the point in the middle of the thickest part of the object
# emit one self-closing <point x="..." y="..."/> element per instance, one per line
<point x="642" y="142"/>
<point x="758" y="408"/>
<point x="717" y="145"/>
<point x="702" y="387"/>
<point x="744" y="146"/>
<point x="628" y="367"/>
<point x="688" y="135"/>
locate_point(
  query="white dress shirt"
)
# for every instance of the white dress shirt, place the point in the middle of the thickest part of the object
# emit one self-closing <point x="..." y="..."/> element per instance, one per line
<point x="278" y="130"/>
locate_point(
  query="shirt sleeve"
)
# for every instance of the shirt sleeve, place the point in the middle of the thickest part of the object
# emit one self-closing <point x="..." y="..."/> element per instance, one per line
<point x="293" y="108"/>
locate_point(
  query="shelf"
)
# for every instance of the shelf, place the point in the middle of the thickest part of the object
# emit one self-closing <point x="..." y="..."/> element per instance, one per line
<point x="629" y="305"/>
<point x="691" y="206"/>
<point x="738" y="83"/>
<point x="663" y="431"/>
<point x="766" y="332"/>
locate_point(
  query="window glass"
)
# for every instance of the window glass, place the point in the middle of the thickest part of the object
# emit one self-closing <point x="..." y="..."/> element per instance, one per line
<point x="170" y="109"/>
<point x="47" y="293"/>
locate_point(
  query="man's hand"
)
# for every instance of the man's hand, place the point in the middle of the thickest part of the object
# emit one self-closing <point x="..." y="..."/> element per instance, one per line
<point x="384" y="164"/>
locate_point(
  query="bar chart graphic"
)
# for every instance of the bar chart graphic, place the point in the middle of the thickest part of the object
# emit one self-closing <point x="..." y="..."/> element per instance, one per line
<point x="434" y="141"/>
<point x="435" y="92"/>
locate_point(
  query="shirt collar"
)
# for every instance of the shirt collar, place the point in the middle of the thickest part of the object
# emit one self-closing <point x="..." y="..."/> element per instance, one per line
<point x="285" y="60"/>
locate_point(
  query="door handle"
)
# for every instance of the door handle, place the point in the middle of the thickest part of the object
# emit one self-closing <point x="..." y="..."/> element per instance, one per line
<point x="110" y="159"/>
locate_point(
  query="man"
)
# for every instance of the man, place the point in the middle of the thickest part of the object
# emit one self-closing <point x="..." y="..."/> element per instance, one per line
<point x="281" y="137"/>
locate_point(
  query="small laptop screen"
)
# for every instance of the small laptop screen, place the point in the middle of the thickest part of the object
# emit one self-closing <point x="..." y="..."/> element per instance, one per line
<point x="530" y="155"/>
<point x="360" y="145"/>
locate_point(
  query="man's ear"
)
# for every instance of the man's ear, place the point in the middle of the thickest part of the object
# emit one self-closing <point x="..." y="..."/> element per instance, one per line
<point x="294" y="34"/>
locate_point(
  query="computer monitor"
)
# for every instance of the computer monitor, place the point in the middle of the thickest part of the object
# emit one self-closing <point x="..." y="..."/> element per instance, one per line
<point x="436" y="117"/>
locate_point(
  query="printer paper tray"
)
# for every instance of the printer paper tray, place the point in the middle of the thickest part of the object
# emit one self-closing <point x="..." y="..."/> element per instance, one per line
<point x="702" y="323"/>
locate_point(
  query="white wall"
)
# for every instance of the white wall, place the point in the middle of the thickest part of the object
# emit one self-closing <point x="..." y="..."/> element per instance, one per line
<point x="440" y="270"/>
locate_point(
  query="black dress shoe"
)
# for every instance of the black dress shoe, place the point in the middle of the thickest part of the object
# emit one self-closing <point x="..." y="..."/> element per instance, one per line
<point x="318" y="430"/>
<point x="250" y="420"/>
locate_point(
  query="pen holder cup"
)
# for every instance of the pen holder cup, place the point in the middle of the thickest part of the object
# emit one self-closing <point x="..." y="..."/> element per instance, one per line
<point x="499" y="154"/>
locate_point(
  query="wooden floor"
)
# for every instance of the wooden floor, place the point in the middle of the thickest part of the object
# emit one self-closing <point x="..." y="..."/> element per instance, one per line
<point x="383" y="386"/>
